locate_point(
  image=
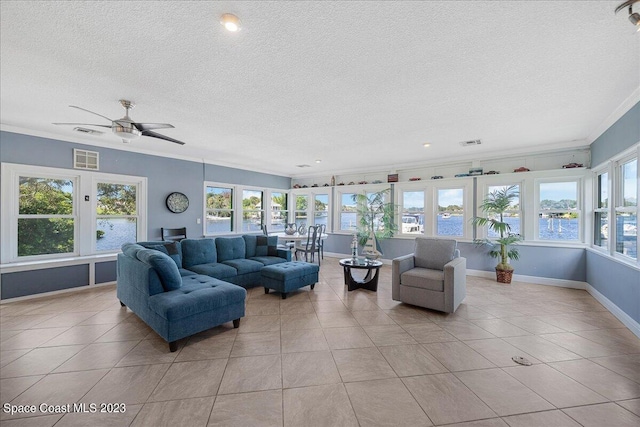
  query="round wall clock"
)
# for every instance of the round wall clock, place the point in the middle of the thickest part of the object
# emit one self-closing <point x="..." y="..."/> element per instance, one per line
<point x="177" y="202"/>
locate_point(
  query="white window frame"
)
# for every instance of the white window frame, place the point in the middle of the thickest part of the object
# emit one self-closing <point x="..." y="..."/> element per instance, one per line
<point x="310" y="194"/>
<point x="619" y="200"/>
<point x="466" y="185"/>
<point x="314" y="194"/>
<point x="352" y="189"/>
<point x="295" y="210"/>
<point x="260" y="211"/>
<point x="579" y="208"/>
<point x="84" y="211"/>
<point x="413" y="187"/>
<point x="607" y="210"/>
<point x="140" y="207"/>
<point x="504" y="181"/>
<point x="237" y="208"/>
<point x="233" y="210"/>
<point x="284" y="209"/>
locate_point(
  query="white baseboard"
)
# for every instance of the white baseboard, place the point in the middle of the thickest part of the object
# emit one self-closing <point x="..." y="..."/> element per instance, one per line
<point x="562" y="283"/>
<point x="61" y="291"/>
<point x="615" y="310"/>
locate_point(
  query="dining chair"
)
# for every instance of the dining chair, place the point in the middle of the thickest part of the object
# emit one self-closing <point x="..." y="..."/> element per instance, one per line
<point x="173" y="234"/>
<point x="322" y="229"/>
<point x="311" y="245"/>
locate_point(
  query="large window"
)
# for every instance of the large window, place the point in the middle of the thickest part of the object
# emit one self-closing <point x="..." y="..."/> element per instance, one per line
<point x="50" y="213"/>
<point x="279" y="211"/>
<point x="321" y="209"/>
<point x="450" y="218"/>
<point x="219" y="209"/>
<point x="601" y="211"/>
<point x="116" y="215"/>
<point x="512" y="215"/>
<point x="412" y="212"/>
<point x="46" y="216"/>
<point x="252" y="212"/>
<point x="626" y="212"/>
<point x="301" y="211"/>
<point x="348" y="215"/>
<point x="558" y="211"/>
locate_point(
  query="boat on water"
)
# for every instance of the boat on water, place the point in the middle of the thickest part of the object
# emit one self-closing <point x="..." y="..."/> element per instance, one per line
<point x="445" y="215"/>
<point x="410" y="224"/>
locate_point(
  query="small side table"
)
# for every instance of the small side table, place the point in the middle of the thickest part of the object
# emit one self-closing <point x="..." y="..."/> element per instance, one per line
<point x="370" y="281"/>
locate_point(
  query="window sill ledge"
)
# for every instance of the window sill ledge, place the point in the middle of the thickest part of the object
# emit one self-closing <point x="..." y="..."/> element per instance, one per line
<point x="12" y="267"/>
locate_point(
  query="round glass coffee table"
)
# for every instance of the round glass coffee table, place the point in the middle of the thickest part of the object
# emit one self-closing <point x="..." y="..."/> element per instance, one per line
<point x="370" y="280"/>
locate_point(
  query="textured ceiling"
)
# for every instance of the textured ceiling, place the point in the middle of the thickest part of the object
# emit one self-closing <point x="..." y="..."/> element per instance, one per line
<point x="359" y="85"/>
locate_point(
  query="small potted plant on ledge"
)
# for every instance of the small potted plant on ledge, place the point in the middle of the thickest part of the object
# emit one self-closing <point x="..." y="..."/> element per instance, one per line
<point x="497" y="203"/>
<point x="376" y="220"/>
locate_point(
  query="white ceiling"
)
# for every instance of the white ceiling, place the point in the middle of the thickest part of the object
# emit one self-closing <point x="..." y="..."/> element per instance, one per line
<point x="359" y="85"/>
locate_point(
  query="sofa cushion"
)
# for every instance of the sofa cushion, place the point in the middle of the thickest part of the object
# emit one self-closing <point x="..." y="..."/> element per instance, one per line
<point x="170" y="248"/>
<point x="433" y="253"/>
<point x="230" y="248"/>
<point x="164" y="266"/>
<point x="214" y="269"/>
<point x="423" y="278"/>
<point x="250" y="245"/>
<point x="198" y="251"/>
<point x="268" y="260"/>
<point x="199" y="294"/>
<point x="185" y="272"/>
<point x="245" y="266"/>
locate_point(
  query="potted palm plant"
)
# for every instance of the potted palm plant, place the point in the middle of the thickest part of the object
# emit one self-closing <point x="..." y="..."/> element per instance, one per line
<point x="376" y="220"/>
<point x="494" y="207"/>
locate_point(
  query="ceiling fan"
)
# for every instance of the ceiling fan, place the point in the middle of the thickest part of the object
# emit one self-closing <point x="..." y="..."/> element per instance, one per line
<point x="126" y="128"/>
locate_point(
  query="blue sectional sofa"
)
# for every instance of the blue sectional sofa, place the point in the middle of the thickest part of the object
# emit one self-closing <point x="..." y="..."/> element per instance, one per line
<point x="182" y="288"/>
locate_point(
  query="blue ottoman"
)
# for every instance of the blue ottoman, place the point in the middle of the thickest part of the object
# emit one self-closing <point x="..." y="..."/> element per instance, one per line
<point x="289" y="276"/>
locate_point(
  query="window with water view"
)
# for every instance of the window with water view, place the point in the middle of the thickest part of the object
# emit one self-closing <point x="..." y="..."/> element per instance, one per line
<point x="116" y="215"/>
<point x="46" y="216"/>
<point x="558" y="211"/>
<point x="219" y="207"/>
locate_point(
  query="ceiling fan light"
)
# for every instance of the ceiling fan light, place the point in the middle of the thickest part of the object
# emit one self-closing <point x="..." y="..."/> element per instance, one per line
<point x="126" y="132"/>
<point x="231" y="22"/>
<point x="635" y="19"/>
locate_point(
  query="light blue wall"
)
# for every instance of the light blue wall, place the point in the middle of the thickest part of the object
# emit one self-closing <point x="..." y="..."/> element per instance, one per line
<point x="539" y="261"/>
<point x="620" y="136"/>
<point x="616" y="281"/>
<point x="619" y="283"/>
<point x="164" y="175"/>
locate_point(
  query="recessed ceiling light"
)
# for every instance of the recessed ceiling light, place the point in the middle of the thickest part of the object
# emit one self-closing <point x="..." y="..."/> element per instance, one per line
<point x="318" y="161"/>
<point x="426" y="145"/>
<point x="231" y="22"/>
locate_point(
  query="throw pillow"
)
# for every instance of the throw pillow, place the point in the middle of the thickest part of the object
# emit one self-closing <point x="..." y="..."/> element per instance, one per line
<point x="171" y="249"/>
<point x="164" y="266"/>
<point x="267" y="246"/>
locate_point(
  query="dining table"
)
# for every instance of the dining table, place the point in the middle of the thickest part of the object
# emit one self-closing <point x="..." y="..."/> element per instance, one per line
<point x="296" y="237"/>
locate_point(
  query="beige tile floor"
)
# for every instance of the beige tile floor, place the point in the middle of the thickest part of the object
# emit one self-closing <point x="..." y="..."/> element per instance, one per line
<point x="329" y="357"/>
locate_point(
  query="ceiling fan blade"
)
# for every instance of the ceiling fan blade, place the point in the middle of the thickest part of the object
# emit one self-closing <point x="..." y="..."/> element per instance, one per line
<point x="83" y="124"/>
<point x="148" y="126"/>
<point x="157" y="135"/>
<point x="88" y="111"/>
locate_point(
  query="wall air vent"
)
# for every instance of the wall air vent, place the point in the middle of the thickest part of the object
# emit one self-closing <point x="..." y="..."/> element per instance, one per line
<point x="88" y="131"/>
<point x="470" y="143"/>
<point x="83" y="159"/>
<point x="303" y="166"/>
